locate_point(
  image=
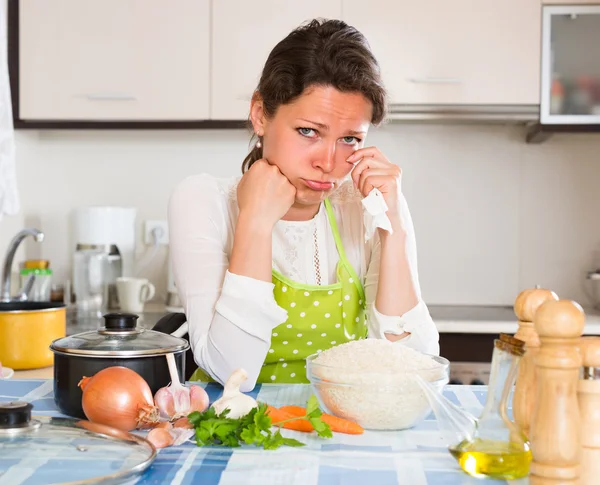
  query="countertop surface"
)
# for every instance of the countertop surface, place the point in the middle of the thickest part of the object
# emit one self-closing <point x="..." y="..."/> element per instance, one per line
<point x="448" y="318"/>
<point x="416" y="456"/>
<point x="491" y="319"/>
<point x="466" y="319"/>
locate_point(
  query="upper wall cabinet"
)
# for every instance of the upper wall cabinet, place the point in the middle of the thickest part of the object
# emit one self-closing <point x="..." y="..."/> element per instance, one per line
<point x="571" y="2"/>
<point x="570" y="66"/>
<point x="462" y="52"/>
<point x="113" y="60"/>
<point x="243" y="35"/>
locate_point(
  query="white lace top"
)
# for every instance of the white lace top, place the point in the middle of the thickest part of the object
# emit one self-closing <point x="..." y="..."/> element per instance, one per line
<point x="231" y="317"/>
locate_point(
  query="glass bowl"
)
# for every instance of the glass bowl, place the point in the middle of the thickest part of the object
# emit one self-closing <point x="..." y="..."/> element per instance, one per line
<point x="376" y="401"/>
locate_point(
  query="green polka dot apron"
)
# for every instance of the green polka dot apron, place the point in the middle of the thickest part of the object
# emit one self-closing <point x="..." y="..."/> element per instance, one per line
<point x="319" y="317"/>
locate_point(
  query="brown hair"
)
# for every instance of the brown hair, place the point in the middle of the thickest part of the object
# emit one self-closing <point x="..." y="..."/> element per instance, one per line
<point x="319" y="53"/>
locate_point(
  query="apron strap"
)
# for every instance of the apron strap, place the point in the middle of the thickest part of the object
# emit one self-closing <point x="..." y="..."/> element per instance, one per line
<point x="340" y="248"/>
<point x="336" y="233"/>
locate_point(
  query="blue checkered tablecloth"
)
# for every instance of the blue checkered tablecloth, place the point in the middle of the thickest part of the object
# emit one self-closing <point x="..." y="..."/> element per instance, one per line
<point x="412" y="457"/>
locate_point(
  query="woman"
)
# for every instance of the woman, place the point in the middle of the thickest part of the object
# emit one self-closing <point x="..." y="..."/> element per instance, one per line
<point x="274" y="266"/>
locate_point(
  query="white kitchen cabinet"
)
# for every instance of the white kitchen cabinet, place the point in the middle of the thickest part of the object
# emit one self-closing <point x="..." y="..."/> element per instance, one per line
<point x="243" y="35"/>
<point x="106" y="60"/>
<point x="477" y="52"/>
<point x="571" y="2"/>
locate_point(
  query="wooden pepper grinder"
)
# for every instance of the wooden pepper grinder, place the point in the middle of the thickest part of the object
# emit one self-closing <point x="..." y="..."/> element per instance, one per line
<point x="589" y="408"/>
<point x="556" y="425"/>
<point x="526" y="304"/>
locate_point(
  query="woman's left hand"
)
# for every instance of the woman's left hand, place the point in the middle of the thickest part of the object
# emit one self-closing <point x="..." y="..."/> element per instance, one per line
<point x="374" y="170"/>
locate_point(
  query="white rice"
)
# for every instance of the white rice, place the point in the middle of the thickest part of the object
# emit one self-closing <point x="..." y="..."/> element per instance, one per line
<point x="371" y="382"/>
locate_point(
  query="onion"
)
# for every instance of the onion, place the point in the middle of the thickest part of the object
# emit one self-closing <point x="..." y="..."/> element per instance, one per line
<point x="118" y="397"/>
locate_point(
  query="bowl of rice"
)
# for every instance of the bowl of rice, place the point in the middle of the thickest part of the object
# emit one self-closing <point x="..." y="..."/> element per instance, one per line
<point x="372" y="382"/>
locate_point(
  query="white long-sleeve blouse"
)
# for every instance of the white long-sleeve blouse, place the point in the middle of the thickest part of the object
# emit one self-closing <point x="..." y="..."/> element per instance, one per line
<point x="231" y="317"/>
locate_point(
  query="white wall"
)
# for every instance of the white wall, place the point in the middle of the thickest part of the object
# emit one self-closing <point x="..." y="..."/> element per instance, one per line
<point x="493" y="215"/>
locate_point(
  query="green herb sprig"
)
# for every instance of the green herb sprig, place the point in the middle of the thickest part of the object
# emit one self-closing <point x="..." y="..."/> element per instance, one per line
<point x="254" y="428"/>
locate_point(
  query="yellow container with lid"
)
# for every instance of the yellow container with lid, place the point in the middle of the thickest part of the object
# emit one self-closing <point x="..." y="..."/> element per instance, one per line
<point x="26" y="331"/>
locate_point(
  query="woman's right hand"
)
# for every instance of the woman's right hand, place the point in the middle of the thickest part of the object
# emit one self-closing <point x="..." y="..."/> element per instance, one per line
<point x="265" y="193"/>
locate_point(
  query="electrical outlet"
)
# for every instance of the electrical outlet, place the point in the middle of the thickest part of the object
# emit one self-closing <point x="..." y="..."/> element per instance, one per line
<point x="163" y="232"/>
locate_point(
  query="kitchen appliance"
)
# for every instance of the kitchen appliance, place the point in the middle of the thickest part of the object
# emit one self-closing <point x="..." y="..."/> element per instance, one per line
<point x="27" y="328"/>
<point x="66" y="450"/>
<point x="104" y="250"/>
<point x="120" y="342"/>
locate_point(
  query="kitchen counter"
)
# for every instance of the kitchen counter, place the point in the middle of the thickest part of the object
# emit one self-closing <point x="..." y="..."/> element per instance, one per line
<point x="449" y="319"/>
<point x="480" y="319"/>
<point x="416" y="456"/>
<point x="491" y="319"/>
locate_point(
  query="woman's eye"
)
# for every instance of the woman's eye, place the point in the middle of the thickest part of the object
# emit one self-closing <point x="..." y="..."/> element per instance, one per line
<point x="351" y="139"/>
<point x="308" y="132"/>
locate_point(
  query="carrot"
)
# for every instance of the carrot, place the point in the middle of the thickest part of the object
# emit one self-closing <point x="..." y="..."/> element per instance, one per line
<point x="338" y="425"/>
<point x="294" y="410"/>
<point x="278" y="416"/>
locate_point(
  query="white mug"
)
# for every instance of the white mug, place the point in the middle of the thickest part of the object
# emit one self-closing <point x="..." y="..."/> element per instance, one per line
<point x="133" y="293"/>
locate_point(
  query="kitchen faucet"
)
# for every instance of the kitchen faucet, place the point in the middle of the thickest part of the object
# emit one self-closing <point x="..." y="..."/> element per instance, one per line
<point x="8" y="261"/>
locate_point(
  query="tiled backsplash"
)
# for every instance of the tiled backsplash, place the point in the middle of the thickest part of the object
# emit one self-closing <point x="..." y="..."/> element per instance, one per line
<point x="492" y="214"/>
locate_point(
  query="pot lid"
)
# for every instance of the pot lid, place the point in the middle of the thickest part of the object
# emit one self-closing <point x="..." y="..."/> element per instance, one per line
<point x="120" y="337"/>
<point x="65" y="450"/>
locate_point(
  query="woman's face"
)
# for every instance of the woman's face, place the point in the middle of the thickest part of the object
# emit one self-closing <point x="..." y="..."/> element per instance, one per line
<point x="310" y="139"/>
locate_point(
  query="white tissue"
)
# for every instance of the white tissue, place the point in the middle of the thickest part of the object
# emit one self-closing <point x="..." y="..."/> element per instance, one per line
<point x="375" y="216"/>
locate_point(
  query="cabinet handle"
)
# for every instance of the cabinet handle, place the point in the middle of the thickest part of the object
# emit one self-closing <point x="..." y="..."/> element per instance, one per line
<point x="110" y="97"/>
<point x="435" y="80"/>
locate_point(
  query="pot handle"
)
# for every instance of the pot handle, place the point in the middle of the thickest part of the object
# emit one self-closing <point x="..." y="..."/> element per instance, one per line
<point x="181" y="331"/>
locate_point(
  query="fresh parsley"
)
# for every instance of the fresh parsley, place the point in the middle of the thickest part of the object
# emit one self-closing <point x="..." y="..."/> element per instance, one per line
<point x="254" y="428"/>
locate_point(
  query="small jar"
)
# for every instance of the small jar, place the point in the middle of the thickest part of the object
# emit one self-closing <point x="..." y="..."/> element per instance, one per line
<point x="41" y="285"/>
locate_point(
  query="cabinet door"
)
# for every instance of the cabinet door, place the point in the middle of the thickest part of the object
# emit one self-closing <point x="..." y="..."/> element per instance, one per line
<point x="244" y="33"/>
<point x="119" y="60"/>
<point x="570" y="65"/>
<point x="571" y="2"/>
<point x="460" y="52"/>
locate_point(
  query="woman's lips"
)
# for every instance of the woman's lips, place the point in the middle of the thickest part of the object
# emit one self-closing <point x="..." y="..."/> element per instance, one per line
<point x="321" y="186"/>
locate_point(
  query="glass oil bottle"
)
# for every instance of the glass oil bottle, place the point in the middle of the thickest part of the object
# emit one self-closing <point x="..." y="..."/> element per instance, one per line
<point x="497" y="448"/>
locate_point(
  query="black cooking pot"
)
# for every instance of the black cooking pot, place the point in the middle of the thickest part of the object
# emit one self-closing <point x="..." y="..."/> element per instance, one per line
<point x="119" y="343"/>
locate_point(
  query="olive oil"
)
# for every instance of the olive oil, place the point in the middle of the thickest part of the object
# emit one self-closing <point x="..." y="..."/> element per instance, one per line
<point x="493" y="459"/>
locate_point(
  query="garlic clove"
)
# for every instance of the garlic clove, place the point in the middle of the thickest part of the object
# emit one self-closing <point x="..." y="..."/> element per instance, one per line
<point x="183" y="423"/>
<point x="160" y="438"/>
<point x="199" y="399"/>
<point x="165" y="403"/>
<point x="181" y="400"/>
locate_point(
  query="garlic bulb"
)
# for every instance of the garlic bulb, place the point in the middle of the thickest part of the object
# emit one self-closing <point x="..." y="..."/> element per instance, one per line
<point x="239" y="404"/>
<point x="175" y="400"/>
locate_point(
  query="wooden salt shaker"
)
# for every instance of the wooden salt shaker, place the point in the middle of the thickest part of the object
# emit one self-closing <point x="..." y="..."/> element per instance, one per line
<point x="556" y="425"/>
<point x="526" y="304"/>
<point x="589" y="408"/>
